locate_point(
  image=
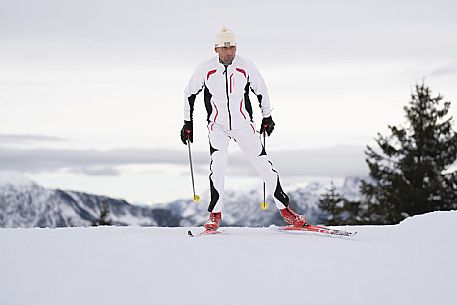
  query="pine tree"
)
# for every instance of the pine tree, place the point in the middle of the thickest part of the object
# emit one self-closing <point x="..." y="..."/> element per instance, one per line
<point x="410" y="174"/>
<point x="337" y="210"/>
<point x="104" y="215"/>
<point x="331" y="204"/>
<point x="104" y="219"/>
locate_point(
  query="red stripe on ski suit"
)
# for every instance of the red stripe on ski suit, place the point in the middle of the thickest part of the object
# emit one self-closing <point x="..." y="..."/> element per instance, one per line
<point x="209" y="73"/>
<point x="215" y="117"/>
<point x="241" y="71"/>
<point x="241" y="109"/>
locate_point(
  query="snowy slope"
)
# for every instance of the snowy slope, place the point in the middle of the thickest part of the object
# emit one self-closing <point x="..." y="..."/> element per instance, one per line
<point x="410" y="263"/>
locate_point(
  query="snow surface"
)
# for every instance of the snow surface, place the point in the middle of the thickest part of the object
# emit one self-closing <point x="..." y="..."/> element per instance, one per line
<point x="410" y="263"/>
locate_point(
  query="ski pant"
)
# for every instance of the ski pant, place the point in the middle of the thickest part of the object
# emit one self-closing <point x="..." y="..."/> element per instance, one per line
<point x="249" y="140"/>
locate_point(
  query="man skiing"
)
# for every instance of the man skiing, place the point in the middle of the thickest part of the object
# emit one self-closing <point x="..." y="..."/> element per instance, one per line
<point x="225" y="81"/>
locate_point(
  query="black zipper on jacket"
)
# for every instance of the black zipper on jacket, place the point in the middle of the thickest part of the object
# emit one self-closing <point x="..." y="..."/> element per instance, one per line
<point x="228" y="99"/>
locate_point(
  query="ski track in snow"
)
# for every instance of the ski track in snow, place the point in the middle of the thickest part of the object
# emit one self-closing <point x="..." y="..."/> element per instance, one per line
<point x="410" y="263"/>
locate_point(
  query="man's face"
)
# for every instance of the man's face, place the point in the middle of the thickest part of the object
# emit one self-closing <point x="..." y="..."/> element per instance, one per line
<point x="226" y="54"/>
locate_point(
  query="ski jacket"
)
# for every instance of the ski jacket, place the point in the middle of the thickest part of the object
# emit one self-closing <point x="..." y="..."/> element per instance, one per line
<point x="226" y="92"/>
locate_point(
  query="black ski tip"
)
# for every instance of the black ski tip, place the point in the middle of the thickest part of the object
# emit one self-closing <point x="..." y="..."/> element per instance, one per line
<point x="189" y="233"/>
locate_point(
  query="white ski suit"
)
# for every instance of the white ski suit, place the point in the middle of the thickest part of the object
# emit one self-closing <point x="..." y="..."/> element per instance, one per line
<point x="229" y="115"/>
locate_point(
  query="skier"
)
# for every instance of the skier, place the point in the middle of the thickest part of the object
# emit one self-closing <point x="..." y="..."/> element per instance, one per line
<point x="225" y="81"/>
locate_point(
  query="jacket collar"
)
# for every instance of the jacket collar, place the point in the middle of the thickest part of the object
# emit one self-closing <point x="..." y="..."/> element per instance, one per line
<point x="220" y="62"/>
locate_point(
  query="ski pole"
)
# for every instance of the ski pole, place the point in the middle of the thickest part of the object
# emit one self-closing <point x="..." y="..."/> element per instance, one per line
<point x="264" y="204"/>
<point x="196" y="197"/>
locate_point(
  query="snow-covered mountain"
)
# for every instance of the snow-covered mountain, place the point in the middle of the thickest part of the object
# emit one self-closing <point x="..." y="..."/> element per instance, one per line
<point x="243" y="208"/>
<point x="24" y="203"/>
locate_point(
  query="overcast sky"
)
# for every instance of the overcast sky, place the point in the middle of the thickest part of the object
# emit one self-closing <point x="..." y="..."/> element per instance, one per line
<point x="97" y="85"/>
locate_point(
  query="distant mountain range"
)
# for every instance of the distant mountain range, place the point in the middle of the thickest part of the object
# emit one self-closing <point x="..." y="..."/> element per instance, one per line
<point x="24" y="203"/>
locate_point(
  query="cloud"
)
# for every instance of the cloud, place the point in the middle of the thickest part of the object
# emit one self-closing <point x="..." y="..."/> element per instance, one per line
<point x="26" y="138"/>
<point x="448" y="69"/>
<point x="332" y="161"/>
<point x="343" y="30"/>
<point x="88" y="161"/>
<point x="329" y="161"/>
<point x="96" y="171"/>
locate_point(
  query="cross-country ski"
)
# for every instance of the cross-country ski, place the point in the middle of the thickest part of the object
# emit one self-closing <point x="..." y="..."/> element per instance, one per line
<point x="313" y="229"/>
<point x="307" y="229"/>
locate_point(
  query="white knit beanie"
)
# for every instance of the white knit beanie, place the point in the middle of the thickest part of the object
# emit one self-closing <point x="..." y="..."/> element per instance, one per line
<point x="225" y="38"/>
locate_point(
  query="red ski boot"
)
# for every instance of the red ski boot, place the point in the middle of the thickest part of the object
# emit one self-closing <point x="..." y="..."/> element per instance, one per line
<point x="213" y="221"/>
<point x="293" y="218"/>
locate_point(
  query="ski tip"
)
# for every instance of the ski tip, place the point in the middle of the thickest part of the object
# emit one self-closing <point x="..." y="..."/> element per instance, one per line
<point x="189" y="233"/>
<point x="348" y="234"/>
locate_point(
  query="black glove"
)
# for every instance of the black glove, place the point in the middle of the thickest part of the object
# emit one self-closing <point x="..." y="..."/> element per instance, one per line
<point x="187" y="132"/>
<point x="267" y="125"/>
